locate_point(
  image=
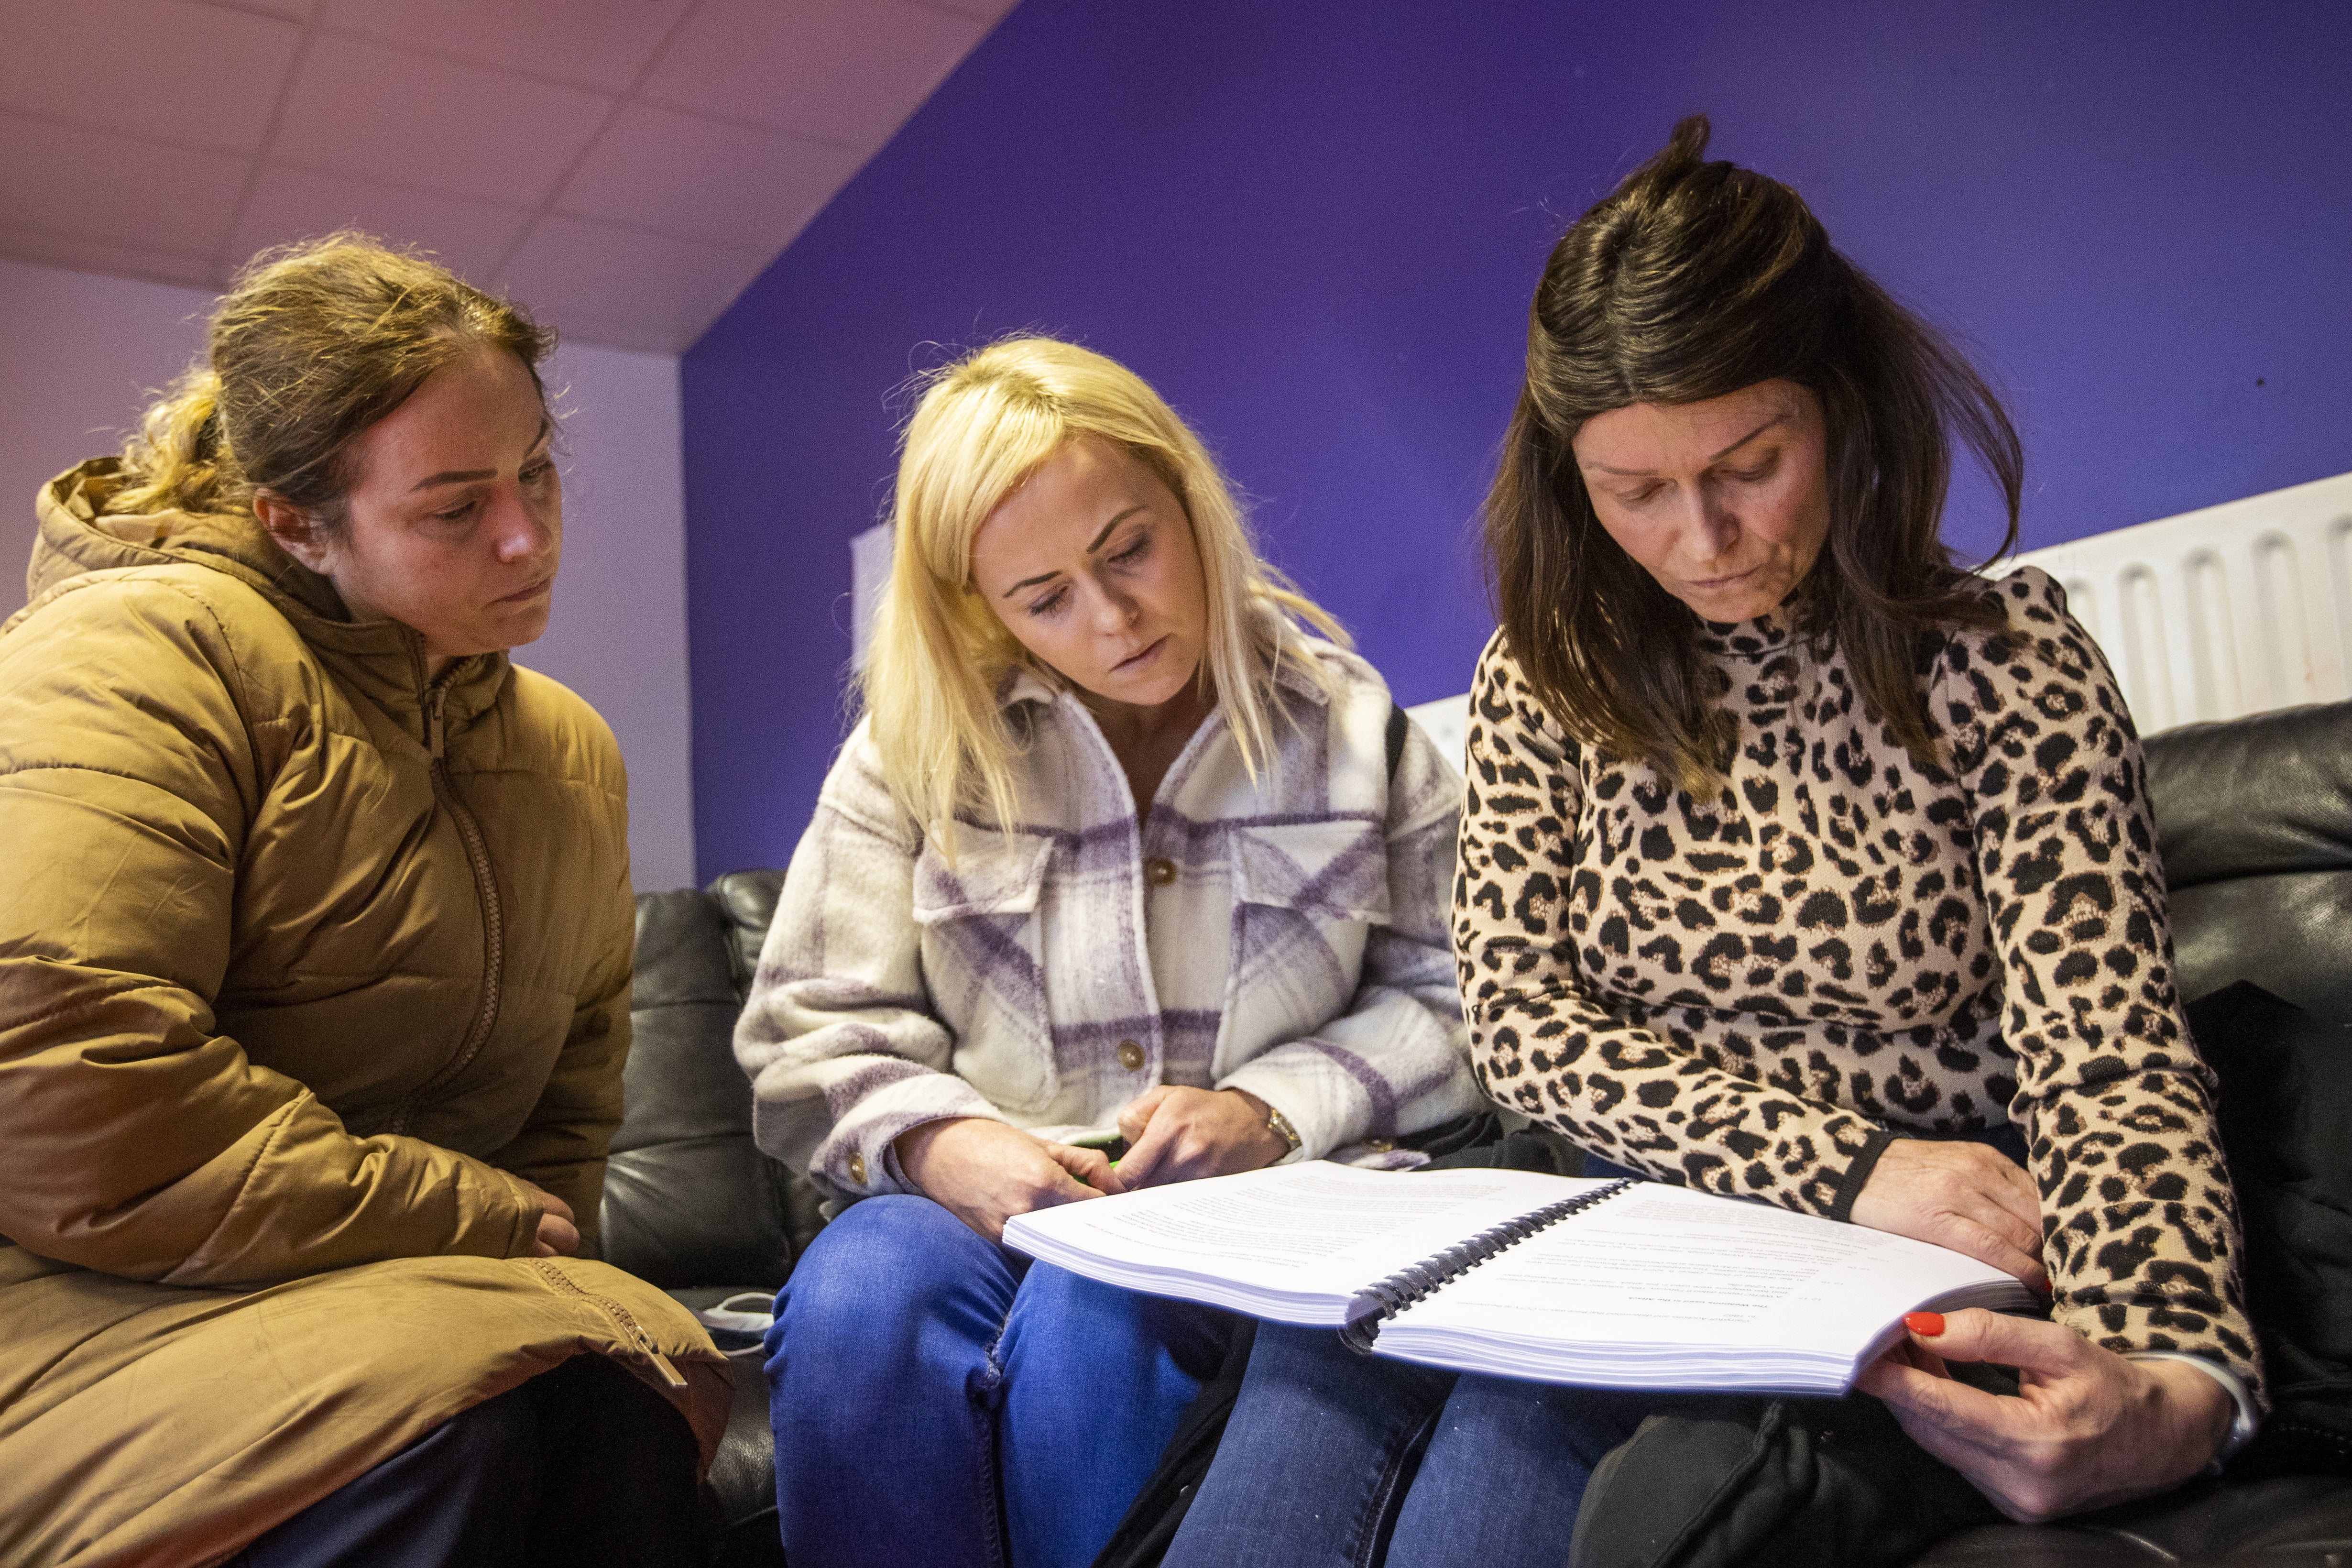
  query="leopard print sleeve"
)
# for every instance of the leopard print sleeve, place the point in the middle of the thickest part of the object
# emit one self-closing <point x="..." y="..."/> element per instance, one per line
<point x="1549" y="838"/>
<point x="2141" y="1228"/>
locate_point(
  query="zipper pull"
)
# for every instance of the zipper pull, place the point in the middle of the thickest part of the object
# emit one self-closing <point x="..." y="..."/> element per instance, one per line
<point x="437" y="697"/>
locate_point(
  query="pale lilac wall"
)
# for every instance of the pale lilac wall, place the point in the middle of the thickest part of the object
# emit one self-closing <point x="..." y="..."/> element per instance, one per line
<point x="618" y="634"/>
<point x="76" y="350"/>
<point x="77" y="354"/>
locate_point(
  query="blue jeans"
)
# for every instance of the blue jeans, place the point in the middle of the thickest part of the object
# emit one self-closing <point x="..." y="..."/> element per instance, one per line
<point x="1333" y="1458"/>
<point x="939" y="1400"/>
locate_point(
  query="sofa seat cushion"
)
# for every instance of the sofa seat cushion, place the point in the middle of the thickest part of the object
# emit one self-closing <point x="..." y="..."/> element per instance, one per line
<point x="2287" y="1522"/>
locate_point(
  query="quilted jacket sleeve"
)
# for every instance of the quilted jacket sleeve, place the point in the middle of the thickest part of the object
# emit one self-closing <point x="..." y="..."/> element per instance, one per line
<point x="563" y="1145"/>
<point x="134" y="1138"/>
<point x="1542" y="1044"/>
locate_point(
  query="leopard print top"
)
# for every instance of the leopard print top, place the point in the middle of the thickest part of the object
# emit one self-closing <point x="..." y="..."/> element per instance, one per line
<point x="1751" y="992"/>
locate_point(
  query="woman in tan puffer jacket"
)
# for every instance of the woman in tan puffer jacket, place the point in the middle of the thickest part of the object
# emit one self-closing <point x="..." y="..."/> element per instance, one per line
<point x="315" y="938"/>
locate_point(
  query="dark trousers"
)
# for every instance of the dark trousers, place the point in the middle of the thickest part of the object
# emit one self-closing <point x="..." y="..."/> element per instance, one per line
<point x="582" y="1465"/>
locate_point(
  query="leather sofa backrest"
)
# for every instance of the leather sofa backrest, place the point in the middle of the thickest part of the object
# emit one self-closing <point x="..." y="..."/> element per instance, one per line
<point x="688" y="1198"/>
<point x="2254" y="819"/>
<point x="2254" y="816"/>
<point x="748" y="900"/>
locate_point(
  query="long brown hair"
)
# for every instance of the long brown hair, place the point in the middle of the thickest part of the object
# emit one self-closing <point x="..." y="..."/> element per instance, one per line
<point x="312" y="343"/>
<point x="1693" y="279"/>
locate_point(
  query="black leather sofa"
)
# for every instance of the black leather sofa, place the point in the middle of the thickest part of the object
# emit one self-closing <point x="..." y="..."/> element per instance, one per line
<point x="2255" y="817"/>
<point x="690" y="1204"/>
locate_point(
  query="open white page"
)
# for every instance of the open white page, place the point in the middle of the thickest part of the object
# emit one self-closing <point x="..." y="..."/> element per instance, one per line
<point x="1664" y="1288"/>
<point x="1295" y="1243"/>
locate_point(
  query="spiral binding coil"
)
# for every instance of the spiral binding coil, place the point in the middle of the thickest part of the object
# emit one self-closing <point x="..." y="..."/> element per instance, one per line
<point x="1407" y="1286"/>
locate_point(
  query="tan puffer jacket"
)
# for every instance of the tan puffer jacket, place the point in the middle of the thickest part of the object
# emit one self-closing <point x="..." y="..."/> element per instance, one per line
<point x="300" y="955"/>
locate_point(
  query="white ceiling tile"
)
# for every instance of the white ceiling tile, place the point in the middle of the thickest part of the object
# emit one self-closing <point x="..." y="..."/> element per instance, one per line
<point x="701" y="179"/>
<point x="594" y="283"/>
<point x="94" y="185"/>
<point x="469" y="237"/>
<point x="124" y="66"/>
<point x="103" y="255"/>
<point x="360" y="109"/>
<point x="841" y="70"/>
<point x="598" y="44"/>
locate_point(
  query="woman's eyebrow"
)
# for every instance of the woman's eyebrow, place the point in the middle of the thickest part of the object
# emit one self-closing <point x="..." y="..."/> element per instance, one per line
<point x="1114" y="523"/>
<point x="1650" y="473"/>
<point x="1776" y="420"/>
<point x="467" y="476"/>
<point x="1097" y="545"/>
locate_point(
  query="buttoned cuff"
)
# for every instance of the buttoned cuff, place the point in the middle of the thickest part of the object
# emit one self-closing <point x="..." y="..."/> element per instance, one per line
<point x="860" y="1156"/>
<point x="1281" y="1092"/>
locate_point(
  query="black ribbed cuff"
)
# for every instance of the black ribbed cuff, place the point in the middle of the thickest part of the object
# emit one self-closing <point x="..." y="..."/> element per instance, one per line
<point x="1857" y="1175"/>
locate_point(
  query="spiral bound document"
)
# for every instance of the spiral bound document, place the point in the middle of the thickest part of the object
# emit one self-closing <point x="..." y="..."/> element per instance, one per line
<point x="1604" y="1284"/>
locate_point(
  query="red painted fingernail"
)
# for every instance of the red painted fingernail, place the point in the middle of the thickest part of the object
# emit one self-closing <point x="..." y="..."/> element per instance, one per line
<point x="1926" y="1325"/>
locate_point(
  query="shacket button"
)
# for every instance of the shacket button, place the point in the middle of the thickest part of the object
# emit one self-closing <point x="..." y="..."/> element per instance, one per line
<point x="1159" y="871"/>
<point x="1130" y="1055"/>
<point x="857" y="1169"/>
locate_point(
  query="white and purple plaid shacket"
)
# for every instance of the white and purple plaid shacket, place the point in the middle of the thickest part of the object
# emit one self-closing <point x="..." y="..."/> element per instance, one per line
<point x="1287" y="937"/>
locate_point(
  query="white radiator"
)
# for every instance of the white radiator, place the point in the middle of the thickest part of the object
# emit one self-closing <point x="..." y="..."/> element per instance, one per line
<point x="2238" y="608"/>
<point x="2233" y="610"/>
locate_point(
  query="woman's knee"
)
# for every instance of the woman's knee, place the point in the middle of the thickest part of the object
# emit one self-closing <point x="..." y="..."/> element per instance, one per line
<point x="1067" y="1314"/>
<point x="882" y="1253"/>
<point x="894" y="1283"/>
<point x="493" y="1436"/>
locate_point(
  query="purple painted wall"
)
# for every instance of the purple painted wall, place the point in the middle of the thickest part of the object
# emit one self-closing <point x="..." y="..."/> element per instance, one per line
<point x="1316" y="227"/>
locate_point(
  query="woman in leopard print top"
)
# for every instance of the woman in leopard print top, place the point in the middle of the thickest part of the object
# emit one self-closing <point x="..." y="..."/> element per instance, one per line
<point x="1758" y="989"/>
<point x="1797" y="864"/>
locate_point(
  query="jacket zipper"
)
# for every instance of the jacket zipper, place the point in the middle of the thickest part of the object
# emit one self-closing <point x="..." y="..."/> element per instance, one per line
<point x="622" y="1317"/>
<point x="486" y="892"/>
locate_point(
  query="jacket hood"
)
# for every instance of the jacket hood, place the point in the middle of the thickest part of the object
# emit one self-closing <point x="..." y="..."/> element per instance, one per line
<point x="383" y="660"/>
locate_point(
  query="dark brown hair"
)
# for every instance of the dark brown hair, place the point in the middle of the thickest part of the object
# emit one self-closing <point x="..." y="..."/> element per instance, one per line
<point x="1694" y="280"/>
<point x="312" y="343"/>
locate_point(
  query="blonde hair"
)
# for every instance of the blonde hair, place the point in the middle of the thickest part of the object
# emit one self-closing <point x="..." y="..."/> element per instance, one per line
<point x="312" y="343"/>
<point x="939" y="655"/>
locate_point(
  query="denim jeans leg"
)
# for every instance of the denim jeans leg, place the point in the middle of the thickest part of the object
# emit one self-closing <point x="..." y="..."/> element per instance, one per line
<point x="1095" y="1380"/>
<point x="1321" y="1444"/>
<point x="1506" y="1470"/>
<point x="882" y="1389"/>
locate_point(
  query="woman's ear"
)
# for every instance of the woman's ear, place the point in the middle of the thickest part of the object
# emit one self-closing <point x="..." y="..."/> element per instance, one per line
<point x="291" y="527"/>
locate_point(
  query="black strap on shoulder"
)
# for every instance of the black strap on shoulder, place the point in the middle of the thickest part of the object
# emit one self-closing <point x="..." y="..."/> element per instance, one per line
<point x="1397" y="723"/>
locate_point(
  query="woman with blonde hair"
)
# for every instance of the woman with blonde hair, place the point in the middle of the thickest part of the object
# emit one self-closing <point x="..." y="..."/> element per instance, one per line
<point x="1119" y="854"/>
<point x="314" y="977"/>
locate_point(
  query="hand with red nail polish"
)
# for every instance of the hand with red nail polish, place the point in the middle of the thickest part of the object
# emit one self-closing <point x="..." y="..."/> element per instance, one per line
<point x="2085" y="1428"/>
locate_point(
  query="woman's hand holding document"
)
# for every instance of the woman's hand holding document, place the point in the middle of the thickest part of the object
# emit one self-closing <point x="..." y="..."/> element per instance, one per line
<point x="1606" y="1284"/>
